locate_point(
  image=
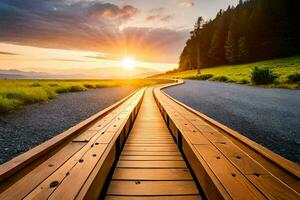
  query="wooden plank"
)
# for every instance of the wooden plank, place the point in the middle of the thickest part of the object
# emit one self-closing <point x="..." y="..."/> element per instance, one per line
<point x="151" y="174"/>
<point x="151" y="158"/>
<point x="151" y="125"/>
<point x="116" y="124"/>
<point x="205" y="128"/>
<point x="232" y="180"/>
<point x="216" y="137"/>
<point x="149" y="145"/>
<point x="272" y="187"/>
<point x="105" y="137"/>
<point x="132" y="139"/>
<point x="196" y="137"/>
<point x="72" y="183"/>
<point x="150" y="148"/>
<point x="146" y="188"/>
<point x="44" y="190"/>
<point x="206" y="178"/>
<point x="240" y="159"/>
<point x="150" y="138"/>
<point x="280" y="167"/>
<point x="151" y="164"/>
<point x="177" y="197"/>
<point x="94" y="184"/>
<point x="150" y="141"/>
<point x="85" y="136"/>
<point x="31" y="180"/>
<point x="58" y="165"/>
<point x="151" y="153"/>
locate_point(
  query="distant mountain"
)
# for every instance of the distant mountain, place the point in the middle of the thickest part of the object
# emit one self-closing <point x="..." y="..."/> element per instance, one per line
<point x="120" y="72"/>
<point x="97" y="73"/>
<point x="11" y="76"/>
<point x="20" y="73"/>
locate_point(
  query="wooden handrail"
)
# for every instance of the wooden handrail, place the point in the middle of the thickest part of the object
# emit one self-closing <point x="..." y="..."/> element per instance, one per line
<point x="183" y="121"/>
<point x="57" y="161"/>
<point x="282" y="162"/>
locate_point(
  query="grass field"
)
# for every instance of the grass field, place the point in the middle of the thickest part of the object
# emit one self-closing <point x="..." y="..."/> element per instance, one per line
<point x="17" y="93"/>
<point x="242" y="73"/>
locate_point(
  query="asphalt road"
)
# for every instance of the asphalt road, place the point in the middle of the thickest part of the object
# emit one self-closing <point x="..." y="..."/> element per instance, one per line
<point x="270" y="117"/>
<point x="26" y="128"/>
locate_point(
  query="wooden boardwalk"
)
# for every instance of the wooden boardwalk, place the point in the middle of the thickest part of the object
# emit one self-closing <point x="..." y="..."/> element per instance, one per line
<point x="149" y="146"/>
<point x="150" y="164"/>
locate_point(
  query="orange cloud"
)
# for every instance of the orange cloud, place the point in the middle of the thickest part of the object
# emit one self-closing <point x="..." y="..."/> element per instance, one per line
<point x="158" y="14"/>
<point x="186" y="4"/>
<point x="92" y="26"/>
<point x="151" y="17"/>
<point x="112" y="11"/>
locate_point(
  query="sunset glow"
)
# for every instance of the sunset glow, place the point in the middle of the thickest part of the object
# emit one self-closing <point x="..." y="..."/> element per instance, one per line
<point x="128" y="62"/>
<point x="89" y="35"/>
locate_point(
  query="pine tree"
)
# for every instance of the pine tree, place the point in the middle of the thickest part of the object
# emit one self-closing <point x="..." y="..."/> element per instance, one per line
<point x="231" y="49"/>
<point x="253" y="30"/>
<point x="197" y="32"/>
<point x="242" y="50"/>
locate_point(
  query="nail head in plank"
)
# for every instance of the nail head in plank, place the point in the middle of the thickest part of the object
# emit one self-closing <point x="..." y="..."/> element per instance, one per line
<point x="146" y="188"/>
<point x="151" y="174"/>
<point x="151" y="164"/>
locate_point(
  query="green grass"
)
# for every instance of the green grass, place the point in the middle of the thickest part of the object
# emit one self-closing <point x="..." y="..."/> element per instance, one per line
<point x="17" y="93"/>
<point x="242" y="73"/>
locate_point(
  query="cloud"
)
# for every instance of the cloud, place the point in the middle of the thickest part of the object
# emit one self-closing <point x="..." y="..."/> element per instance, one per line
<point x="71" y="60"/>
<point x="167" y="18"/>
<point x="159" y="43"/>
<point x="157" y="10"/>
<point x="158" y="14"/>
<point x="186" y="4"/>
<point x="152" y="17"/>
<point x="85" y="25"/>
<point x="112" y="11"/>
<point x="164" y="18"/>
<point x="8" y="53"/>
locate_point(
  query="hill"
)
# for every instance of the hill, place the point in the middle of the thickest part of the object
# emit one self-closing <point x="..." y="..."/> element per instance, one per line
<point x="254" y="30"/>
<point x="242" y="73"/>
<point x="97" y="73"/>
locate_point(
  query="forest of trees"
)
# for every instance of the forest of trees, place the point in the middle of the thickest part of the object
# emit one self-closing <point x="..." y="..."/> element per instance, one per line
<point x="253" y="30"/>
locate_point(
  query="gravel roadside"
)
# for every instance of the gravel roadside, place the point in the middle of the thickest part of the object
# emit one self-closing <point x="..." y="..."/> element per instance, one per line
<point x="24" y="129"/>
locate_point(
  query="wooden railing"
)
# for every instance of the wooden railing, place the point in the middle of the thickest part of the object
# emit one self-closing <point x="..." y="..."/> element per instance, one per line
<point x="76" y="163"/>
<point x="227" y="165"/>
<point x="79" y="163"/>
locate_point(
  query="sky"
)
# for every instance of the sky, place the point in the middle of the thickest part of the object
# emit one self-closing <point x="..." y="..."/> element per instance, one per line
<point x="61" y="35"/>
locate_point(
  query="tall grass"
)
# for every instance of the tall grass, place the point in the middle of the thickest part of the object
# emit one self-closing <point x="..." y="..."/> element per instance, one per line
<point x="17" y="93"/>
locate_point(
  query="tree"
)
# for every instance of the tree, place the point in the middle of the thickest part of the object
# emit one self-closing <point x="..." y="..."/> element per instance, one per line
<point x="253" y="30"/>
<point x="242" y="50"/>
<point x="197" y="35"/>
<point x="231" y="49"/>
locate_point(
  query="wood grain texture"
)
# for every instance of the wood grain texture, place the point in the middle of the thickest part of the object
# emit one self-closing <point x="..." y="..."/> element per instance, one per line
<point x="177" y="197"/>
<point x="230" y="161"/>
<point x="150" y="165"/>
<point x="146" y="188"/>
<point x="64" y="173"/>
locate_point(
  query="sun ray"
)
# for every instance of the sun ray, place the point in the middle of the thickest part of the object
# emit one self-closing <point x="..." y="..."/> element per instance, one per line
<point x="128" y="62"/>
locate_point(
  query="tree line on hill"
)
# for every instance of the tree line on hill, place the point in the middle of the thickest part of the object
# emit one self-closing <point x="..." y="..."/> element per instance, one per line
<point x="254" y="30"/>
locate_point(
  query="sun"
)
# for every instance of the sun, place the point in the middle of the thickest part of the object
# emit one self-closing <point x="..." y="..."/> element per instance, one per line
<point x="128" y="62"/>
